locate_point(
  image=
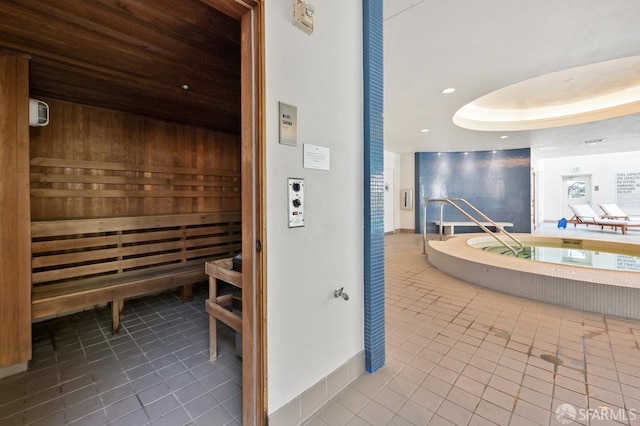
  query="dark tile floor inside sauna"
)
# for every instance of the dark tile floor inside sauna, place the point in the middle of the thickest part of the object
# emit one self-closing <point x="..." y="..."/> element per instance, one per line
<point x="156" y="370"/>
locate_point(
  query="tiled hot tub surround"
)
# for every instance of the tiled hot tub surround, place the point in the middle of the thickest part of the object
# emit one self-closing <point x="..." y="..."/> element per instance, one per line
<point x="596" y="290"/>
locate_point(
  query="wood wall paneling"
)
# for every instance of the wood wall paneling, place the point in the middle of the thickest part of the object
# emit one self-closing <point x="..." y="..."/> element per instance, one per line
<point x="93" y="162"/>
<point x="15" y="262"/>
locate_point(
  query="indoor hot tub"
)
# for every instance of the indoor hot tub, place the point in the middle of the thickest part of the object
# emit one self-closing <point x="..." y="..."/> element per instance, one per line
<point x="575" y="274"/>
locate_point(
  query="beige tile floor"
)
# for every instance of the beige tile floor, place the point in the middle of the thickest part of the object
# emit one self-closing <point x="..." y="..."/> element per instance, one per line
<point x="458" y="354"/>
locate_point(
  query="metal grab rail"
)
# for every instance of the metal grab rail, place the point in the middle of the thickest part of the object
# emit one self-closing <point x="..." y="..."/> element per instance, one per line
<point x="451" y="201"/>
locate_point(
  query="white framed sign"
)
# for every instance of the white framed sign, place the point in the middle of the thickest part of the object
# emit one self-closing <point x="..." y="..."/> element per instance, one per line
<point x="316" y="157"/>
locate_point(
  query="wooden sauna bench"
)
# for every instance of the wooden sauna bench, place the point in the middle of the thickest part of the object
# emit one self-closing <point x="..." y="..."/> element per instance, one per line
<point x="80" y="263"/>
<point x="222" y="270"/>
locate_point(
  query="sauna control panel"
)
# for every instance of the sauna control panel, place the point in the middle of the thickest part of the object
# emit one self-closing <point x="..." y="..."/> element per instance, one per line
<point x="296" y="202"/>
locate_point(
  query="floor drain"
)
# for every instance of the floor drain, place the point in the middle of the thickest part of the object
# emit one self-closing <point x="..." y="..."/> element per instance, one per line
<point x="552" y="359"/>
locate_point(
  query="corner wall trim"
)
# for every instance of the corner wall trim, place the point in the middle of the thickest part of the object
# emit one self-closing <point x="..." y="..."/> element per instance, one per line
<point x="406" y="231"/>
<point x="13" y="369"/>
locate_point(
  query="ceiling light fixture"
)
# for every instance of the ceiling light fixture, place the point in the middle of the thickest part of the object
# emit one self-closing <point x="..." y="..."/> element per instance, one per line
<point x="448" y="90"/>
<point x="424" y="130"/>
<point x="504" y="137"/>
<point x="185" y="88"/>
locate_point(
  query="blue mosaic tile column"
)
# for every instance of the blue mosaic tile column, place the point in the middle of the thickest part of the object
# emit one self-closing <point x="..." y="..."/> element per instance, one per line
<point x="373" y="186"/>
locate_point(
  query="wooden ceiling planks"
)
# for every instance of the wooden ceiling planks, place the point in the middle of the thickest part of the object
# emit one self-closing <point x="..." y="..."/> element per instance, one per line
<point x="132" y="56"/>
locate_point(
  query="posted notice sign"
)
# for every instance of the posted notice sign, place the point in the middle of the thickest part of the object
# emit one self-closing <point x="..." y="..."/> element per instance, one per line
<point x="316" y="157"/>
<point x="628" y="192"/>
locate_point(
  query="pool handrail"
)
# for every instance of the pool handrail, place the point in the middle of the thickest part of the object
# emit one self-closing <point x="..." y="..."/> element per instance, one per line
<point x="452" y="202"/>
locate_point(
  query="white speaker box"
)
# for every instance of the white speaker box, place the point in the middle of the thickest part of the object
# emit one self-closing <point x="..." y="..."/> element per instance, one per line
<point x="38" y="113"/>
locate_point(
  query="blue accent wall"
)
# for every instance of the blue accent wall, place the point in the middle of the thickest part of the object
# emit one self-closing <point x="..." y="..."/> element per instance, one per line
<point x="374" y="337"/>
<point x="498" y="184"/>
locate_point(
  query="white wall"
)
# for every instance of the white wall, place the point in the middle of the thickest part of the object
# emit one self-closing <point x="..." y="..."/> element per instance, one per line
<point x="392" y="165"/>
<point x="601" y="167"/>
<point x="309" y="332"/>
<point x="403" y="166"/>
<point x="408" y="181"/>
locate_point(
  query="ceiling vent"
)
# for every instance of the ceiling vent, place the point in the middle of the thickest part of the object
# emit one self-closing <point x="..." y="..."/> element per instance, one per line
<point x="594" y="141"/>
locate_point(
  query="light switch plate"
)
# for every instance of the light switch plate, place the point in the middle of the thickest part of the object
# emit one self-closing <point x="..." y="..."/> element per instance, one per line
<point x="296" y="202"/>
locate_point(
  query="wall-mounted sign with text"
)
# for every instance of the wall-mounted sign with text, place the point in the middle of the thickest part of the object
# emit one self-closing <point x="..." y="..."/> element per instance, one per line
<point x="628" y="192"/>
<point x="316" y="157"/>
<point x="288" y="124"/>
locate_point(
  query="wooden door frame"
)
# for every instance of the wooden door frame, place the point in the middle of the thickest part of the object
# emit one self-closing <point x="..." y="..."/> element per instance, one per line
<point x="250" y="13"/>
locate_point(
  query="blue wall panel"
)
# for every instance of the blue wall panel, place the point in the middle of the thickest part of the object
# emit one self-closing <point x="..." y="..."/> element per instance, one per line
<point x="374" y="344"/>
<point x="498" y="184"/>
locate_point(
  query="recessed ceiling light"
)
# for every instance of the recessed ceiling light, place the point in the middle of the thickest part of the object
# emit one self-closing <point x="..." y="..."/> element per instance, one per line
<point x="449" y="90"/>
<point x="504" y="137"/>
<point x="594" y="141"/>
<point x="424" y="130"/>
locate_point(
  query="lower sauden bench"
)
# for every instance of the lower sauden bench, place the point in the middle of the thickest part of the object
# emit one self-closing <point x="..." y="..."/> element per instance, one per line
<point x="81" y="263"/>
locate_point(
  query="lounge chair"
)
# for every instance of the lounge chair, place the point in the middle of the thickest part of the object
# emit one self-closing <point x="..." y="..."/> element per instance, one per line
<point x="583" y="214"/>
<point x="612" y="211"/>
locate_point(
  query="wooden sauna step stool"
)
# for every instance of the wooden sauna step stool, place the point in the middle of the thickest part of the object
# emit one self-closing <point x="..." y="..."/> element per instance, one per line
<point x="217" y="305"/>
<point x="81" y="263"/>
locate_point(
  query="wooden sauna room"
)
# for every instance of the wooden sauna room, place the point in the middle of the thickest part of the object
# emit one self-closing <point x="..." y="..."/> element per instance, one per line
<point x="148" y="168"/>
<point x="135" y="180"/>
